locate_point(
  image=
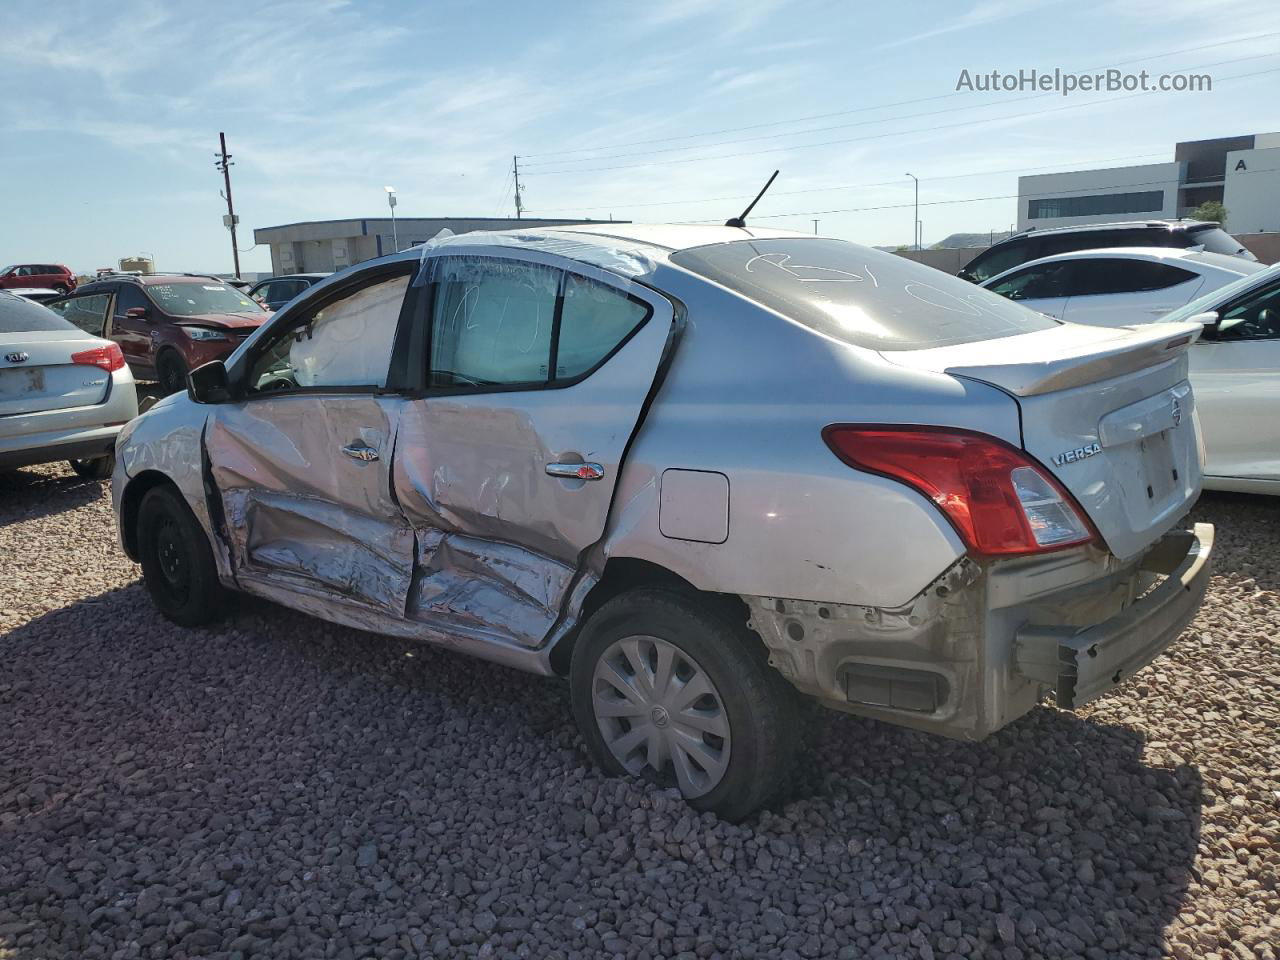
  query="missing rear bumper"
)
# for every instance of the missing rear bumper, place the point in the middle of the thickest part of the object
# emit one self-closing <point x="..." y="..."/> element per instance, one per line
<point x="1084" y="664"/>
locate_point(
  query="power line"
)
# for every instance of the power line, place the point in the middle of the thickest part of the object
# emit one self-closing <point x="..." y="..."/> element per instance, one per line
<point x="863" y="123"/>
<point x="856" y="186"/>
<point x="882" y="106"/>
<point x="939" y="203"/>
<point x="896" y="133"/>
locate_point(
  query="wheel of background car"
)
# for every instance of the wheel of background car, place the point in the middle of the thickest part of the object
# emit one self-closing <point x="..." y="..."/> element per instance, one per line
<point x="664" y="686"/>
<point x="171" y="372"/>
<point x="61" y="288"/>
<point x="99" y="468"/>
<point x="177" y="562"/>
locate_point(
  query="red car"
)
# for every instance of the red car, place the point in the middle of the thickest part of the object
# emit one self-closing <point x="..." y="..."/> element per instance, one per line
<point x="43" y="276"/>
<point x="166" y="324"/>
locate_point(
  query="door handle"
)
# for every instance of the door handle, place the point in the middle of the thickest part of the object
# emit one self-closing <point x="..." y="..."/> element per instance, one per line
<point x="576" y="471"/>
<point x="359" y="450"/>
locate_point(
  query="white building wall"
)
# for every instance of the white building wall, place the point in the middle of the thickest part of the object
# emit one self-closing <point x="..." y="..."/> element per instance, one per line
<point x="1163" y="177"/>
<point x="1251" y="193"/>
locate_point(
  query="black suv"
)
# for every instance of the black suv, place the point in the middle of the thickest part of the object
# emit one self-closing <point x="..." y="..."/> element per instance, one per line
<point x="1034" y="244"/>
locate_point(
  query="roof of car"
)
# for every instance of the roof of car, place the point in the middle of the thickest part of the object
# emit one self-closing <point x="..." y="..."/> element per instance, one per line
<point x="1214" y="261"/>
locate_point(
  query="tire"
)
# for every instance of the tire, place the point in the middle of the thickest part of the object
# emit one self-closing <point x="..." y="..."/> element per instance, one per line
<point x="171" y="372"/>
<point x="61" y="288"/>
<point x="177" y="561"/>
<point x="99" y="468"/>
<point x="741" y="720"/>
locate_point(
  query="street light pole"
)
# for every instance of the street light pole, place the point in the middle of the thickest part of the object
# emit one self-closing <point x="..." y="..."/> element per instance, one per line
<point x="915" y="220"/>
<point x="391" y="202"/>
<point x="815" y="228"/>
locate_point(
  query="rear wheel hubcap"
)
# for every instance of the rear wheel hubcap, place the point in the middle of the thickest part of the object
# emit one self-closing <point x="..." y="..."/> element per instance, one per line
<point x="660" y="713"/>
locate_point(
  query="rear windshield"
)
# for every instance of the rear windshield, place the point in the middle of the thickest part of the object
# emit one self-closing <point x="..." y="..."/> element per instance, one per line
<point x="22" y="316"/>
<point x="1217" y="240"/>
<point x="861" y="296"/>
<point x="188" y="299"/>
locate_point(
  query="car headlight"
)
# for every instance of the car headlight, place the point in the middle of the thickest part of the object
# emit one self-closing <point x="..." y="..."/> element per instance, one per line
<point x="204" y="333"/>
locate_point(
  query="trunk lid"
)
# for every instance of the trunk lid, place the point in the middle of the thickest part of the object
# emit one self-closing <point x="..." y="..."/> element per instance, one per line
<point x="46" y="379"/>
<point x="1107" y="411"/>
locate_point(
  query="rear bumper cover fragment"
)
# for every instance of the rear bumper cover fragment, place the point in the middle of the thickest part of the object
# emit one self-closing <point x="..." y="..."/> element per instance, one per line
<point x="1084" y="664"/>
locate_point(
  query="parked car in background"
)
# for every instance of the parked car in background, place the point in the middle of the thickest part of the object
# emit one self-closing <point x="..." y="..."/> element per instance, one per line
<point x="166" y="324"/>
<point x="36" y="294"/>
<point x="64" y="395"/>
<point x="53" y="276"/>
<point x="1235" y="371"/>
<point x="1037" y="244"/>
<point x="275" y="292"/>
<point x="1118" y="287"/>
<point x="694" y="470"/>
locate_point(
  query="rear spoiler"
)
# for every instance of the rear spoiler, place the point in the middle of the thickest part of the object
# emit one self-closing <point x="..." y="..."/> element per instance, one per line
<point x="1066" y="356"/>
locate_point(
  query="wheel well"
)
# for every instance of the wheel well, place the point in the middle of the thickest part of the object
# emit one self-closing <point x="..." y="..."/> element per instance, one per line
<point x="622" y="574"/>
<point x="136" y="489"/>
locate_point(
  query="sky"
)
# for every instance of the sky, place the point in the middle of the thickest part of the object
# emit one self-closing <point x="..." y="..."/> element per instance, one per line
<point x="668" y="110"/>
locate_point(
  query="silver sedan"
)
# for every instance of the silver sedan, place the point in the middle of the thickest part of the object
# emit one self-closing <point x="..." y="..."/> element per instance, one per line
<point x="64" y="394"/>
<point x="698" y="472"/>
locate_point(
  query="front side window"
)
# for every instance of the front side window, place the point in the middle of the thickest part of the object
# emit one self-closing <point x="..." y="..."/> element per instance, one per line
<point x="1035" y="283"/>
<point x="346" y="343"/>
<point x="190" y="299"/>
<point x="89" y="313"/>
<point x="995" y="261"/>
<point x="1255" y="317"/>
<point x="492" y="322"/>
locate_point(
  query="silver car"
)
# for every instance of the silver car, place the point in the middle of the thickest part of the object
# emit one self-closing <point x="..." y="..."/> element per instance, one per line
<point x="64" y="393"/>
<point x="694" y="470"/>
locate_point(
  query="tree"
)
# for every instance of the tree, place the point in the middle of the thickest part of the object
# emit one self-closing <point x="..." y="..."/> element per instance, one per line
<point x="1210" y="210"/>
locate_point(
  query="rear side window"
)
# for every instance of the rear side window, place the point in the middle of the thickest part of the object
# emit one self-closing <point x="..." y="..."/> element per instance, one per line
<point x="861" y="296"/>
<point x="22" y="316"/>
<point x="89" y="313"/>
<point x="1118" y="275"/>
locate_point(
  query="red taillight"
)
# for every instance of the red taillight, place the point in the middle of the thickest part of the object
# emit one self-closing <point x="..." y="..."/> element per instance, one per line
<point x="109" y="358"/>
<point x="998" y="499"/>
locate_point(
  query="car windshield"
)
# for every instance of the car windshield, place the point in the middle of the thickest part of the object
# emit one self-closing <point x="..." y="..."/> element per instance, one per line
<point x="1225" y="294"/>
<point x="1217" y="240"/>
<point x="191" y="298"/>
<point x="862" y="296"/>
<point x="18" y="315"/>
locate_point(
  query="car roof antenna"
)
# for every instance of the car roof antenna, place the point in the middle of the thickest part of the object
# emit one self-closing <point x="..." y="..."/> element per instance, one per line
<point x="741" y="220"/>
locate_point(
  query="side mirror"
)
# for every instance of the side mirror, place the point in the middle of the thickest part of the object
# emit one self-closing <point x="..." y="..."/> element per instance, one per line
<point x="208" y="383"/>
<point x="1209" y="318"/>
<point x="136" y="313"/>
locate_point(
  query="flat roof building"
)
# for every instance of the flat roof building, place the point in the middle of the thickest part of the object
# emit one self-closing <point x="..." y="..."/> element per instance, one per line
<point x="1241" y="173"/>
<point x="320" y="246"/>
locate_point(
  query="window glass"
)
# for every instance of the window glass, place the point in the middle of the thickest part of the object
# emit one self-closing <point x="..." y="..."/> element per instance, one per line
<point x="996" y="260"/>
<point x="1035" y="283"/>
<point x="22" y="316"/>
<point x="1216" y="240"/>
<point x="861" y="296"/>
<point x="1146" y="201"/>
<point x="594" y="320"/>
<point x="128" y="296"/>
<point x="1118" y="275"/>
<point x="347" y="343"/>
<point x="89" y="313"/>
<point x="491" y="322"/>
<point x="191" y="298"/>
<point x="1256" y="317"/>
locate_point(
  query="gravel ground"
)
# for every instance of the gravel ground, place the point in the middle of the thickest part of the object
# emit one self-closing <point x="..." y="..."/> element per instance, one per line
<point x="280" y="787"/>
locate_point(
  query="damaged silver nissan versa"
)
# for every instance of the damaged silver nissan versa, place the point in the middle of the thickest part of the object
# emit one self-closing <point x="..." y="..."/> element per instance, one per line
<point x="694" y="470"/>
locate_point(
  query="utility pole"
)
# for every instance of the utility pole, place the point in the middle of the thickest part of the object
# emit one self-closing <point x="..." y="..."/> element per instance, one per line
<point x="224" y="164"/>
<point x="815" y="228"/>
<point x="916" y="218"/>
<point x="515" y="173"/>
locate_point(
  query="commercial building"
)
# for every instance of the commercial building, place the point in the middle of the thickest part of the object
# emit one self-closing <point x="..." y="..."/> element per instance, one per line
<point x="320" y="246"/>
<point x="1242" y="173"/>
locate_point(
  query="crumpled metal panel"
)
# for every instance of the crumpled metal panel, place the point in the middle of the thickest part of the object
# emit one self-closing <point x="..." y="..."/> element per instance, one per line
<point x="487" y="585"/>
<point x="298" y="509"/>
